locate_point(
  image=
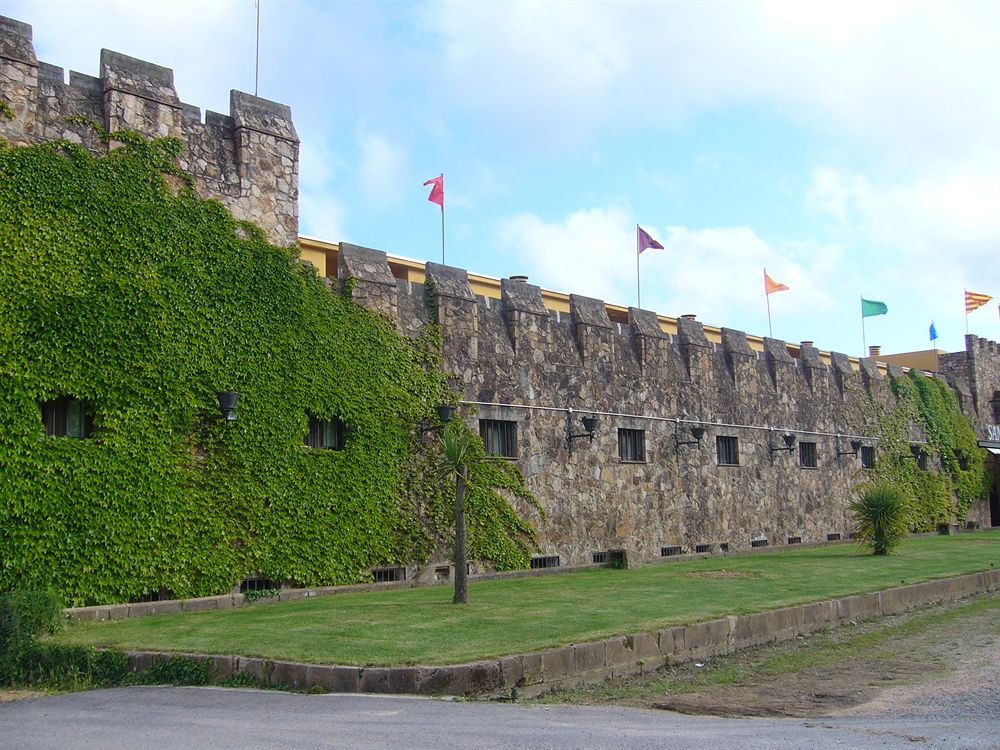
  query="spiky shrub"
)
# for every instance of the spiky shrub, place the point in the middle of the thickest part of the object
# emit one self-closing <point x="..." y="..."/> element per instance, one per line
<point x="880" y="516"/>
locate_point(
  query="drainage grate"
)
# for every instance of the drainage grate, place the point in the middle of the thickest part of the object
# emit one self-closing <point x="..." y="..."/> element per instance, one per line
<point x="703" y="548"/>
<point x="258" y="583"/>
<point x="758" y="542"/>
<point x="833" y="537"/>
<point x="795" y="540"/>
<point x="548" y="561"/>
<point x="671" y="551"/>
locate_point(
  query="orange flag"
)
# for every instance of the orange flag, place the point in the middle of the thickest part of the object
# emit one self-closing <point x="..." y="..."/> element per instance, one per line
<point x="974" y="300"/>
<point x="771" y="286"/>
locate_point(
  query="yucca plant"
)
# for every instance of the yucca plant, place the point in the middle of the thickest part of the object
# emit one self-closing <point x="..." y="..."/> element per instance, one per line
<point x="880" y="517"/>
<point x="454" y="461"/>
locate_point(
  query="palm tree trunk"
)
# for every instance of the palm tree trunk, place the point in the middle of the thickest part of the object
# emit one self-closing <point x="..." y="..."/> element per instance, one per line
<point x="461" y="566"/>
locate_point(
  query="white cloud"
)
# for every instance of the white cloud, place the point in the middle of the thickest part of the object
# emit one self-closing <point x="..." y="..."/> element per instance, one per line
<point x="914" y="78"/>
<point x="715" y="273"/>
<point x="383" y="169"/>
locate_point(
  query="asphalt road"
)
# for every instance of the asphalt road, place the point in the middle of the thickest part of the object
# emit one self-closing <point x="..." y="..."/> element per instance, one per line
<point x="170" y="718"/>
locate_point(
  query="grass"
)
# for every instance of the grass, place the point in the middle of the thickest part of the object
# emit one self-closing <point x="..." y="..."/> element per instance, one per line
<point x="422" y="626"/>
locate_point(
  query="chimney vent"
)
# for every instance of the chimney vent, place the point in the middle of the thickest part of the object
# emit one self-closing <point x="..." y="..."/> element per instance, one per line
<point x="520" y="278"/>
<point x="874" y="351"/>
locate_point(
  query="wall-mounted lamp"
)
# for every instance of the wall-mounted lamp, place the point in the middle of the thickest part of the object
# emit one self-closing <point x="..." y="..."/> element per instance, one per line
<point x="445" y="413"/>
<point x="227" y="405"/>
<point x="697" y="432"/>
<point x="788" y="439"/>
<point x="855" y="448"/>
<point x="590" y="424"/>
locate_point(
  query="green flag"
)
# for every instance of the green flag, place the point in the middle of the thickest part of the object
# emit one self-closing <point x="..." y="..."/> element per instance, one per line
<point x="870" y="307"/>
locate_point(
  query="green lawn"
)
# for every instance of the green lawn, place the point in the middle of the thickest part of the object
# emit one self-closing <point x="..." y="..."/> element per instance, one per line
<point x="422" y="626"/>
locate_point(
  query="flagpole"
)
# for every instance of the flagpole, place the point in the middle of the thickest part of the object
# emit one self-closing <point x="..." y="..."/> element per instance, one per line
<point x="638" y="252"/>
<point x="442" y="224"/>
<point x="864" y="341"/>
<point x="767" y="298"/>
<point x="966" y="305"/>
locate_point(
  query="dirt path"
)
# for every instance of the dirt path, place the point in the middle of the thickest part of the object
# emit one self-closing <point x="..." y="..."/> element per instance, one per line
<point x="919" y="662"/>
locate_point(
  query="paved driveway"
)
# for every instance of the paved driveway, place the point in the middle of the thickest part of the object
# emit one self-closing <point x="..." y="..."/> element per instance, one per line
<point x="170" y="718"/>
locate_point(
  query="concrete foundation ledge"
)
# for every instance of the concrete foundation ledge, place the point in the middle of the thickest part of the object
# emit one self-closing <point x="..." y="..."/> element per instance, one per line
<point x="534" y="673"/>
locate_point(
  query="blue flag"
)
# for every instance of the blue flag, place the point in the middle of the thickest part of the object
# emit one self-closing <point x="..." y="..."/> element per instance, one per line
<point x="933" y="331"/>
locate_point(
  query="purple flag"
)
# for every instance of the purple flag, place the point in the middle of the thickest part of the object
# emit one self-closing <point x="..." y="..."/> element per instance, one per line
<point x="645" y="241"/>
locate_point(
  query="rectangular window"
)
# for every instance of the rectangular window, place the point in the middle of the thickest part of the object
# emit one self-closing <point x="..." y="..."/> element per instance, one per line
<point x="548" y="561"/>
<point x="758" y="542"/>
<point x="631" y="445"/>
<point x="600" y="557"/>
<point x="833" y="537"/>
<point x="727" y="449"/>
<point x="67" y="417"/>
<point x="867" y="457"/>
<point x="326" y="433"/>
<point x="920" y="456"/>
<point x="499" y="437"/>
<point x="795" y="540"/>
<point x="702" y="548"/>
<point x="388" y="575"/>
<point x="670" y="551"/>
<point x="807" y="455"/>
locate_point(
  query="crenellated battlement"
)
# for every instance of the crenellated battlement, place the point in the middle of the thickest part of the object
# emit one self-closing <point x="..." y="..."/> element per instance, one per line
<point x="248" y="159"/>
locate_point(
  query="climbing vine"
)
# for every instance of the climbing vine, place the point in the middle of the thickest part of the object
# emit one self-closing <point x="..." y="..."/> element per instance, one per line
<point x="141" y="300"/>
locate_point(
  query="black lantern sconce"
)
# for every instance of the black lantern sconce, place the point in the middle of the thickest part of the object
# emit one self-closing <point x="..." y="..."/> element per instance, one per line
<point x="590" y="423"/>
<point x="855" y="448"/>
<point x="697" y="432"/>
<point x="788" y="439"/>
<point x="227" y="405"/>
<point x="445" y="413"/>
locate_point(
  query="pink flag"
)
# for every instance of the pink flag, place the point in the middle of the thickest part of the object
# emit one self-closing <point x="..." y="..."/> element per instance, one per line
<point x="644" y="241"/>
<point x="437" y="192"/>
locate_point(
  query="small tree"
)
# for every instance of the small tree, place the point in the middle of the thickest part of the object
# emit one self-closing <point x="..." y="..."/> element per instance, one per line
<point x="881" y="516"/>
<point x="455" y="459"/>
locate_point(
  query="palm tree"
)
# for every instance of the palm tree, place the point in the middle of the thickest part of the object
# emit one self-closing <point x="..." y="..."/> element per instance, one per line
<point x="880" y="514"/>
<point x="455" y="457"/>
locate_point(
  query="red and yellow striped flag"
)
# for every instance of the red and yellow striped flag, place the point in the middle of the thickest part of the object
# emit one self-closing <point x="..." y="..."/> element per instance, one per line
<point x="975" y="300"/>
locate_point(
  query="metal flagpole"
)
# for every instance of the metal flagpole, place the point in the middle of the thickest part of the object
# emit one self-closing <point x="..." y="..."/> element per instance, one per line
<point x="638" y="252"/>
<point x="442" y="223"/>
<point x="864" y="342"/>
<point x="767" y="298"/>
<point x="256" y="67"/>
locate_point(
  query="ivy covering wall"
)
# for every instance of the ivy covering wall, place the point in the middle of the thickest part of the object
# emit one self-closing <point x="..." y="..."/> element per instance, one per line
<point x="137" y="297"/>
<point x="933" y="497"/>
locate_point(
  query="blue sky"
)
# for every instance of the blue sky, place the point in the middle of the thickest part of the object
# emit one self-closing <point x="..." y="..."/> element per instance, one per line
<point x="851" y="148"/>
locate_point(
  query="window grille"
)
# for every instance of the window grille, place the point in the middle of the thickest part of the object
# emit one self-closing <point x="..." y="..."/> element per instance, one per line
<point x="795" y="540"/>
<point x="386" y="575"/>
<point x="833" y="537"/>
<point x="499" y="437"/>
<point x="548" y="561"/>
<point x="67" y="417"/>
<point x="600" y="557"/>
<point x="326" y="433"/>
<point x="867" y="457"/>
<point x="807" y="455"/>
<point x="631" y="445"/>
<point x="702" y="548"/>
<point x="670" y="551"/>
<point x="758" y="543"/>
<point x="728" y="450"/>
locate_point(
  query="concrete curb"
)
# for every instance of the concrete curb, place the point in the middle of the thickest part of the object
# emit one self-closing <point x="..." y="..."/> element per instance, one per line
<point x="539" y="672"/>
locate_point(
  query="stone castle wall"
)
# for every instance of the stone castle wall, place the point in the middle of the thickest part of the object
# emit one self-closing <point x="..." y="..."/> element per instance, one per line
<point x="515" y="360"/>
<point x="248" y="159"/>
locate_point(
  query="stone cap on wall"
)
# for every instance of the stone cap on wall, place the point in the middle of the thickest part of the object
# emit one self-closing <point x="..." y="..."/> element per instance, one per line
<point x="133" y="76"/>
<point x="735" y="342"/>
<point x="15" y="41"/>
<point x="691" y="333"/>
<point x="809" y="357"/>
<point x="520" y="296"/>
<point x="589" y="311"/>
<point x="450" y="282"/>
<point x="364" y="264"/>
<point x="869" y="368"/>
<point x="776" y="352"/>
<point x="841" y="363"/>
<point x="262" y="115"/>
<point x="645" y="323"/>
